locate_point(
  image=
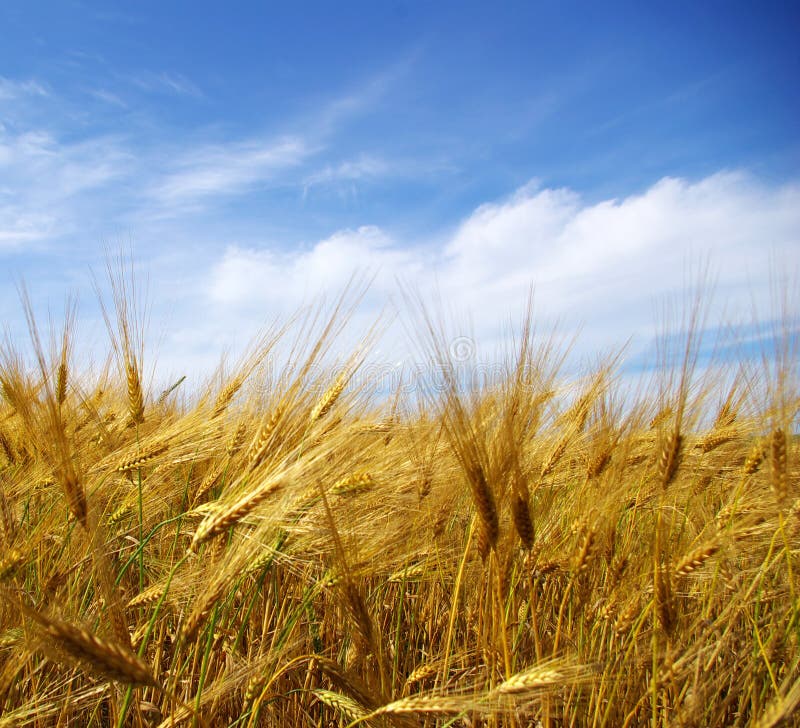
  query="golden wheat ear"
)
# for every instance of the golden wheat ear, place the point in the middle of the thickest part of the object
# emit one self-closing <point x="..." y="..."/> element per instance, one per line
<point x="99" y="656"/>
<point x="778" y="473"/>
<point x="135" y="395"/>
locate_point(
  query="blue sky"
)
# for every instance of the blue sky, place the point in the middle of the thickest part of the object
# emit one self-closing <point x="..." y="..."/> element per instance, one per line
<point x="255" y="154"/>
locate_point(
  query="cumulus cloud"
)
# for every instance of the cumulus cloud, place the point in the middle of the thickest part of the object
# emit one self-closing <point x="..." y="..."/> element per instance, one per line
<point x="620" y="253"/>
<point x="264" y="279"/>
<point x="603" y="265"/>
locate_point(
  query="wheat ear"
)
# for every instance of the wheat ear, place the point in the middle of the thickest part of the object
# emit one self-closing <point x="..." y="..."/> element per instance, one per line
<point x="523" y="682"/>
<point x="76" y="495"/>
<point x="10" y="561"/>
<point x="236" y="439"/>
<point x="523" y="521"/>
<point x="258" y="449"/>
<point x="142" y="458"/>
<point x="216" y="523"/>
<point x="484" y="504"/>
<point x="149" y="596"/>
<point x="777" y="460"/>
<point x="99" y="655"/>
<point x="355" y="483"/>
<point x="227" y="393"/>
<point x="694" y="560"/>
<point x="715" y="438"/>
<point x="329" y="398"/>
<point x="663" y="599"/>
<point x="423" y="704"/>
<point x="781" y="706"/>
<point x="201" y="610"/>
<point x="135" y="396"/>
<point x="669" y="458"/>
<point x="349" y="708"/>
<point x="555" y="456"/>
<point x="754" y="458"/>
<point x="61" y="381"/>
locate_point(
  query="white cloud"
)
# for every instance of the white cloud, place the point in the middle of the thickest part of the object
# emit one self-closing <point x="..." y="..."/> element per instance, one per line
<point x="363" y="168"/>
<point x="11" y="90"/>
<point x="280" y="281"/>
<point x="164" y="82"/>
<point x="225" y="169"/>
<point x="107" y="97"/>
<point x="606" y="265"/>
<point x="45" y="181"/>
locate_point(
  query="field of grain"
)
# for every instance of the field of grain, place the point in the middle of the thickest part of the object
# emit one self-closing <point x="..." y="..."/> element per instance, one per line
<point x="291" y="550"/>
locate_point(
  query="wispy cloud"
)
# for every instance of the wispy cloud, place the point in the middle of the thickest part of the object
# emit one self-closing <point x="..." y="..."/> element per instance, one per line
<point x="10" y="89"/>
<point x="225" y="169"/>
<point x="348" y="172"/>
<point x="364" y="97"/>
<point x="18" y="226"/>
<point x="45" y="181"/>
<point x="55" y="164"/>
<point x="164" y="82"/>
<point x="107" y="97"/>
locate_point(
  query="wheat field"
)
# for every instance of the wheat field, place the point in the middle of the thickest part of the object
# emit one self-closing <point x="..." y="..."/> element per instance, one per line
<point x="293" y="549"/>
